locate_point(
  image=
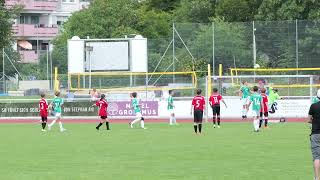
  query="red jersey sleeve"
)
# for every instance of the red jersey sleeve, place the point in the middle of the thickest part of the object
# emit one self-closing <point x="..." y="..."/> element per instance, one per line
<point x="97" y="103"/>
<point x="211" y="99"/>
<point x="193" y="102"/>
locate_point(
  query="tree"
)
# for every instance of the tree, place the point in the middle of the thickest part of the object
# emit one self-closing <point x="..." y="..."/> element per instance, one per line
<point x="163" y="5"/>
<point x="237" y="10"/>
<point x="7" y="14"/>
<point x="194" y="11"/>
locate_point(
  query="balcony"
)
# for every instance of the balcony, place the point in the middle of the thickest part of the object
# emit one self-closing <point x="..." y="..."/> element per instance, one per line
<point x="34" y="5"/>
<point x="31" y="30"/>
<point x="28" y="57"/>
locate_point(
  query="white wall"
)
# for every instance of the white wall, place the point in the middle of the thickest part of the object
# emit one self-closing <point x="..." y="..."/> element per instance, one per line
<point x="75" y="56"/>
<point x="37" y="84"/>
<point x="286" y="108"/>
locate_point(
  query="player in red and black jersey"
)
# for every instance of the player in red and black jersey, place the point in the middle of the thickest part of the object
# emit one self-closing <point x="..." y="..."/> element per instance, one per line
<point x="214" y="101"/>
<point x="264" y="109"/>
<point x="43" y="107"/>
<point x="198" y="105"/>
<point x="103" y="106"/>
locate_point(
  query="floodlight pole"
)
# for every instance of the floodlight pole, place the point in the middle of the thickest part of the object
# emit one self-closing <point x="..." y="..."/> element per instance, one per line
<point x="47" y="62"/>
<point x="173" y="52"/>
<point x="3" y="73"/>
<point x="89" y="49"/>
<point x="297" y="47"/>
<point x="51" y="76"/>
<point x="254" y="47"/>
<point x="213" y="60"/>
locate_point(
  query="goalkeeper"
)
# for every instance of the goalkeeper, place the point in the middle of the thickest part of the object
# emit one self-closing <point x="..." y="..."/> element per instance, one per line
<point x="273" y="97"/>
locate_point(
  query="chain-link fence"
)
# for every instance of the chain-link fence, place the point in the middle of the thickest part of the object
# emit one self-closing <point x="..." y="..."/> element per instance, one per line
<point x="285" y="44"/>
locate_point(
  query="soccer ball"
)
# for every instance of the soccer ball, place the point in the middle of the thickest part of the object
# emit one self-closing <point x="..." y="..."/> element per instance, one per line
<point x="256" y="66"/>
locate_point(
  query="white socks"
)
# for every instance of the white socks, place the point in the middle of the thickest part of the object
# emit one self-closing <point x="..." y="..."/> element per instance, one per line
<point x="256" y="124"/>
<point x="136" y="120"/>
<point x="61" y="127"/>
<point x="142" y="124"/>
<point x="244" y="112"/>
<point x="52" y="123"/>
<point x="172" y="120"/>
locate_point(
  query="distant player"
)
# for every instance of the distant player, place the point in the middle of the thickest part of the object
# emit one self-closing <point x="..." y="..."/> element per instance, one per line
<point x="103" y="106"/>
<point x="198" y="105"/>
<point x="264" y="110"/>
<point x="94" y="95"/>
<point x="57" y="105"/>
<point x="244" y="92"/>
<point x="43" y="106"/>
<point x="256" y="101"/>
<point x="273" y="97"/>
<point x="214" y="101"/>
<point x="171" y="108"/>
<point x="137" y="110"/>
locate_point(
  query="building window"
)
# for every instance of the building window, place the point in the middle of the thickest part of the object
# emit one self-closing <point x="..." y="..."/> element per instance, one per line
<point x="35" y="20"/>
<point x="22" y="19"/>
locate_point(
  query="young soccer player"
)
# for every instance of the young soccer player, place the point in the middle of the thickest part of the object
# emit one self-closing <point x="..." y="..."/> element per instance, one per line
<point x="273" y="97"/>
<point x="137" y="110"/>
<point x="57" y="105"/>
<point x="264" y="109"/>
<point x="171" y="108"/>
<point x="103" y="106"/>
<point x="43" y="106"/>
<point x="198" y="105"/>
<point x="256" y="101"/>
<point x="244" y="92"/>
<point x="214" y="101"/>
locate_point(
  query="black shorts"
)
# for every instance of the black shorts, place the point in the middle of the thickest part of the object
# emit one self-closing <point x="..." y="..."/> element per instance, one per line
<point x="103" y="117"/>
<point x="216" y="110"/>
<point x="197" y="115"/>
<point x="265" y="114"/>
<point x="44" y="119"/>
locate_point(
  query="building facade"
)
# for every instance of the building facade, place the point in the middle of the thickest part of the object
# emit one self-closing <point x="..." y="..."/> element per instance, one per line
<point x="39" y="23"/>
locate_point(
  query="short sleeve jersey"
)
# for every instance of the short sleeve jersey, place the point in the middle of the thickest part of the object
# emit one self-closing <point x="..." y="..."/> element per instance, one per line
<point x="265" y="102"/>
<point x="245" y="91"/>
<point x="170" y="102"/>
<point x="315" y="113"/>
<point x="256" y="99"/>
<point x="57" y="103"/>
<point x="198" y="103"/>
<point x="135" y="105"/>
<point x="43" y="106"/>
<point x="215" y="99"/>
<point x="103" y="106"/>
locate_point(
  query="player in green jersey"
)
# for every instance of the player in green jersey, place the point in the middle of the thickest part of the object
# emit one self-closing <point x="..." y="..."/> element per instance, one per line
<point x="257" y="104"/>
<point x="137" y="111"/>
<point x="170" y="108"/>
<point x="244" y="93"/>
<point x="56" y="106"/>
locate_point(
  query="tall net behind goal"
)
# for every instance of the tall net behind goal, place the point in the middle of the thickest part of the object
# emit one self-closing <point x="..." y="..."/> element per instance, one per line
<point x="127" y="81"/>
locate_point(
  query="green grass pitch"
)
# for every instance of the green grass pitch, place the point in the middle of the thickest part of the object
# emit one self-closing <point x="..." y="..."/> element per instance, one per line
<point x="161" y="152"/>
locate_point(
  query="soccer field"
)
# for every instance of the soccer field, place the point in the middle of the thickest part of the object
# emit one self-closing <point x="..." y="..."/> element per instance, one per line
<point x="233" y="152"/>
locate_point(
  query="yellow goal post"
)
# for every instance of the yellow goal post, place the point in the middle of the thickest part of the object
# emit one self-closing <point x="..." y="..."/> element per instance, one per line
<point x="234" y="72"/>
<point x="132" y="81"/>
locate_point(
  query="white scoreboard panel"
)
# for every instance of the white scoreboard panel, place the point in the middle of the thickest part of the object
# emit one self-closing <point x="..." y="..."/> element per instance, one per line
<point x="129" y="54"/>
